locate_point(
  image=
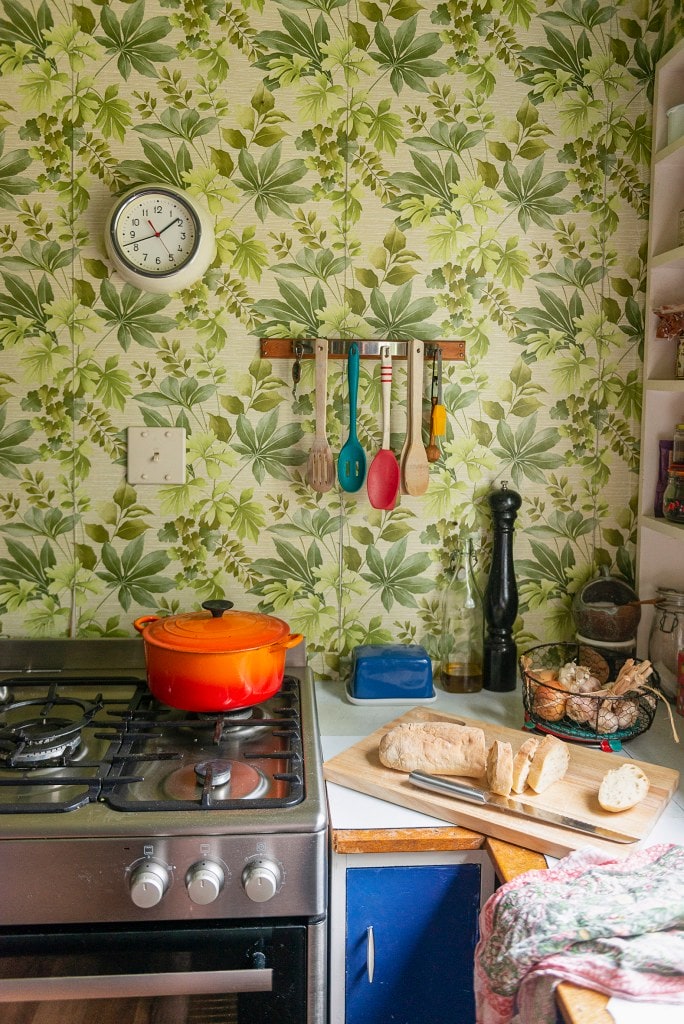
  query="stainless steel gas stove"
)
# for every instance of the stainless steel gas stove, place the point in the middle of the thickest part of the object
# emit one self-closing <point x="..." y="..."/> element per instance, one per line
<point x="152" y="854"/>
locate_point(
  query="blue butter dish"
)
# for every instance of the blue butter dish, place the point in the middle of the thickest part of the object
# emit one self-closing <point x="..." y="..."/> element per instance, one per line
<point x="390" y="673"/>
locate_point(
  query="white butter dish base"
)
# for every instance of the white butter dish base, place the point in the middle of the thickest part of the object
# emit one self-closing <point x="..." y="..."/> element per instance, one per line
<point x="390" y="701"/>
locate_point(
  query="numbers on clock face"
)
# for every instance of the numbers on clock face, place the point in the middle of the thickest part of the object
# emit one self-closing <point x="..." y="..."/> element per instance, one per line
<point x="156" y="233"/>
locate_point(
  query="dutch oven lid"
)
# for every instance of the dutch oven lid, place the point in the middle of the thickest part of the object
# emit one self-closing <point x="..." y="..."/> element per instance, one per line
<point x="216" y="630"/>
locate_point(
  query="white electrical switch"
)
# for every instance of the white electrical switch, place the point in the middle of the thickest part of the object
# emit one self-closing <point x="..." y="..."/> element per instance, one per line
<point x="156" y="455"/>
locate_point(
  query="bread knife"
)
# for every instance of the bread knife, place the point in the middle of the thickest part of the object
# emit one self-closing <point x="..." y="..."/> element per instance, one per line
<point x="510" y="805"/>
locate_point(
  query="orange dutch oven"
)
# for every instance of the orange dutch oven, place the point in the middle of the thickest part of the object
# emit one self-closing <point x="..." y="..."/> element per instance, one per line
<point x="216" y="659"/>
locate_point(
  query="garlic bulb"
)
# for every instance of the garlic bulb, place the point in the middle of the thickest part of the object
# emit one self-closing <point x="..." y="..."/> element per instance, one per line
<point x="585" y="682"/>
<point x="567" y="674"/>
<point x="607" y="719"/>
<point x="581" y="709"/>
<point x="627" y="712"/>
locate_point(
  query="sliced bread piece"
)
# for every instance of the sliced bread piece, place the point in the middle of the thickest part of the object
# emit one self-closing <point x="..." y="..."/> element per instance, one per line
<point x="622" y="788"/>
<point x="522" y="762"/>
<point x="500" y="767"/>
<point x="549" y="764"/>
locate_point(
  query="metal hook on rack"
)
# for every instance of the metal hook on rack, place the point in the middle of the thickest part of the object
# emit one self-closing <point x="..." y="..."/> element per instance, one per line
<point x="297" y="367"/>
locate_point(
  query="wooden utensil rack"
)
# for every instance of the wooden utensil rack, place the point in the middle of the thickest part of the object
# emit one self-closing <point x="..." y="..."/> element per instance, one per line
<point x="338" y="348"/>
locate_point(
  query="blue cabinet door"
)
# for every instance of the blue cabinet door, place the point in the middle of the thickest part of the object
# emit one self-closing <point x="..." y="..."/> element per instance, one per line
<point x="423" y="925"/>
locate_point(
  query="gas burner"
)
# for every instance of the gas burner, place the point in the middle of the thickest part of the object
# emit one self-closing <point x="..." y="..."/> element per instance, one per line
<point x="217" y="772"/>
<point x="239" y="715"/>
<point x="233" y="725"/>
<point x="225" y="779"/>
<point x="44" y="737"/>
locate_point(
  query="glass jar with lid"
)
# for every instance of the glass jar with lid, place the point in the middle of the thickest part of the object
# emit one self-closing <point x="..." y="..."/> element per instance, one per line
<point x="673" y="498"/>
<point x="666" y="638"/>
<point x="678" y="446"/>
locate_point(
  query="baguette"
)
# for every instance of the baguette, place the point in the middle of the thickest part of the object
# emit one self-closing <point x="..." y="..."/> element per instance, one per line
<point x="522" y="762"/>
<point x="549" y="764"/>
<point x="622" y="788"/>
<point x="500" y="767"/>
<point x="441" y="747"/>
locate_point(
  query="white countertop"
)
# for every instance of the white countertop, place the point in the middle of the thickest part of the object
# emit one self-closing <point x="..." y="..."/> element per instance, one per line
<point x="342" y="724"/>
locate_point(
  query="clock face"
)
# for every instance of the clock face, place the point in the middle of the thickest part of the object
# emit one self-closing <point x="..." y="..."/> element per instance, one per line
<point x="159" y="239"/>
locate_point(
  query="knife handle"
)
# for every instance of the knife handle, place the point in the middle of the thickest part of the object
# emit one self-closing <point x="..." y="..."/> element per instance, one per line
<point x="437" y="784"/>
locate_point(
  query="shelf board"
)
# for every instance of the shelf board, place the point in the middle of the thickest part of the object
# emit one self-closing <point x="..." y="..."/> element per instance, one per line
<point x="675" y="531"/>
<point x="671" y="55"/>
<point x="676" y="385"/>
<point x="666" y="259"/>
<point x="673" y="152"/>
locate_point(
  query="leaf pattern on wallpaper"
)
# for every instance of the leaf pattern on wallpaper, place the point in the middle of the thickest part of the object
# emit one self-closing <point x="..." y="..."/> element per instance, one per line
<point x="134" y="40"/>
<point x="372" y="170"/>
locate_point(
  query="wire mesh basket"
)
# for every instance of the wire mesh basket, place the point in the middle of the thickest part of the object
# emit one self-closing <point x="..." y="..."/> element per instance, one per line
<point x="595" y="716"/>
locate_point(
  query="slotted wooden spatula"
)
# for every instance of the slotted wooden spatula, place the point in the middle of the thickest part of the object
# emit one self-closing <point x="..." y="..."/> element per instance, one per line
<point x="320" y="469"/>
<point x="415" y="468"/>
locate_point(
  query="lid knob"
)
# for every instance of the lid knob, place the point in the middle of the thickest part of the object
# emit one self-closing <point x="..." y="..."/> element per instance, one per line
<point x="217" y="608"/>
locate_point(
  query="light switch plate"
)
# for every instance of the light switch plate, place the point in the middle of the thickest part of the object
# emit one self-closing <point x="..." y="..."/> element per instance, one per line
<point x="156" y="455"/>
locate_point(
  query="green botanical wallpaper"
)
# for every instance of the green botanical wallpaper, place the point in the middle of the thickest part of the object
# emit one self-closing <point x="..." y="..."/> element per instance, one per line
<point x="385" y="168"/>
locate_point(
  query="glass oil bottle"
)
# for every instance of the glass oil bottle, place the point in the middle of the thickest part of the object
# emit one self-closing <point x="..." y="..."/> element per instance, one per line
<point x="462" y="638"/>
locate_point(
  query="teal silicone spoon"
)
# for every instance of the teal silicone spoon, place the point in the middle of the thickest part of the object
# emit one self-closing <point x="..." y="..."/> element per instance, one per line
<point x="351" y="463"/>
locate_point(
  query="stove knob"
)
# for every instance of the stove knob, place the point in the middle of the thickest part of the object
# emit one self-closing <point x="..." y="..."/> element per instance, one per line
<point x="204" y="882"/>
<point x="261" y="880"/>
<point x="148" y="884"/>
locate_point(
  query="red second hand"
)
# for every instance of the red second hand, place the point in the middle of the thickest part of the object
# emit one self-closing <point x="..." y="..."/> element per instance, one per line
<point x="157" y="234"/>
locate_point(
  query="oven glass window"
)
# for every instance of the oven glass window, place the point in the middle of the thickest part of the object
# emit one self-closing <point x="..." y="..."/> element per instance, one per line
<point x="181" y="974"/>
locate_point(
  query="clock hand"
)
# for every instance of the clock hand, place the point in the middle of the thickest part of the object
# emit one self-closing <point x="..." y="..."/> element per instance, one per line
<point x="136" y="241"/>
<point x="158" y="234"/>
<point x="176" y="220"/>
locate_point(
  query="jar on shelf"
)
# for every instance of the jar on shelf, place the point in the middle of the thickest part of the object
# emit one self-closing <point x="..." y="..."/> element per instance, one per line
<point x="678" y="446"/>
<point x="675" y="123"/>
<point x="666" y="638"/>
<point x="673" y="498"/>
<point x="665" y="448"/>
<point x="462" y="640"/>
<point x="679" y="358"/>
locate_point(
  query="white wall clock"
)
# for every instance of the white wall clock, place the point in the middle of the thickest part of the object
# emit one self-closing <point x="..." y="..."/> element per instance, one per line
<point x="159" y="239"/>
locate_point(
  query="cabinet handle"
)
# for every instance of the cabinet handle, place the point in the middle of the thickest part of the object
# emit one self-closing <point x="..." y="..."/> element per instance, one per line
<point x="370" y="954"/>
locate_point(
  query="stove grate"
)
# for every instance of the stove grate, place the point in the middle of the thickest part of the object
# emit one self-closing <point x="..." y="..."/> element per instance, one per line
<point x="283" y="723"/>
<point x="64" y="782"/>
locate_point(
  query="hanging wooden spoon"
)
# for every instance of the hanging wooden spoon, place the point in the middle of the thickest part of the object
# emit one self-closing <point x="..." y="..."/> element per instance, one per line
<point x="382" y="482"/>
<point x="415" y="468"/>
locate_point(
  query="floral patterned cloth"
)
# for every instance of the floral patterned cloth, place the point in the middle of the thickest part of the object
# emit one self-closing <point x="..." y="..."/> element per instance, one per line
<point x="613" y="926"/>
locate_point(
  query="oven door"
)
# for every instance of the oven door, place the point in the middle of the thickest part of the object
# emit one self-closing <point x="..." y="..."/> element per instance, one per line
<point x="174" y="974"/>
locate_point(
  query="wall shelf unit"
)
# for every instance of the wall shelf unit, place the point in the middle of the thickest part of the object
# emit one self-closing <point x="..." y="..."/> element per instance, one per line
<point x="660" y="544"/>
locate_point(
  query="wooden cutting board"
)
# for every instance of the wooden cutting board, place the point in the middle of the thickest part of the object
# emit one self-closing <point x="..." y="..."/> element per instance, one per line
<point x="359" y="768"/>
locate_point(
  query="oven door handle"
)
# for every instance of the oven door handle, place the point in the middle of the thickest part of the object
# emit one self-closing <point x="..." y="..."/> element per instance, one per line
<point x="117" y="986"/>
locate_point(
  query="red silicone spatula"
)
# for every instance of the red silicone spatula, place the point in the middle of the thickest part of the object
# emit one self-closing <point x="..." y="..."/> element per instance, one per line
<point x="382" y="482"/>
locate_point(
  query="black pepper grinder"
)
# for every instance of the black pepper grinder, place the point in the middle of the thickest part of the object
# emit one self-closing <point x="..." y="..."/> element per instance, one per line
<point x="500" y="663"/>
